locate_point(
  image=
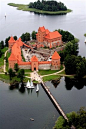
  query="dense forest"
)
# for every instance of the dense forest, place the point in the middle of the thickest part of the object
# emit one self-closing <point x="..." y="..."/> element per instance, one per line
<point x="48" y="5"/>
<point x="74" y="64"/>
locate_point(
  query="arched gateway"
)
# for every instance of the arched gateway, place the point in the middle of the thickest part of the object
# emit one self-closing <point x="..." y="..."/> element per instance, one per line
<point x="34" y="63"/>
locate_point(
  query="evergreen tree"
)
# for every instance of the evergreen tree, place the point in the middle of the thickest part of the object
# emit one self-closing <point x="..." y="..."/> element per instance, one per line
<point x="34" y="34"/>
<point x="15" y="37"/>
<point x="16" y="68"/>
<point x="21" y="74"/>
<point x="6" y="41"/>
<point x="10" y="71"/>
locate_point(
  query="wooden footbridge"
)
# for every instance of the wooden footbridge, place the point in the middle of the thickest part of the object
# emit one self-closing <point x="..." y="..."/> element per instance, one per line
<point x="38" y="78"/>
<point x="54" y="101"/>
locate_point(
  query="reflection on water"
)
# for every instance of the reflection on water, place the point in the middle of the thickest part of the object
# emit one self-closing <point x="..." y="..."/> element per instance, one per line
<point x="21" y="88"/>
<point x="55" y="83"/>
<point x="79" y="84"/>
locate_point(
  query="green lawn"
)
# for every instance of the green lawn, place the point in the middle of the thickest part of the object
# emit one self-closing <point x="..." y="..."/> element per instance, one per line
<point x="32" y="43"/>
<point x="25" y="8"/>
<point x="27" y="70"/>
<point x="3" y="76"/>
<point x="6" y="78"/>
<point x="52" y="77"/>
<point x="45" y="72"/>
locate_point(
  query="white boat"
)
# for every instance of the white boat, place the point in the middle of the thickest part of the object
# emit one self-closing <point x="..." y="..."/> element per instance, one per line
<point x="31" y="84"/>
<point x="28" y="84"/>
<point x="37" y="88"/>
<point x="31" y="119"/>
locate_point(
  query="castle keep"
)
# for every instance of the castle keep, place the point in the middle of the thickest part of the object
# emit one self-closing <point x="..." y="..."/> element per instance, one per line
<point x="50" y="39"/>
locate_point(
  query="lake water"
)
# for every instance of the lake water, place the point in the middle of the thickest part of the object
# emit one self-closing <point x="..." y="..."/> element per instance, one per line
<point x="16" y="106"/>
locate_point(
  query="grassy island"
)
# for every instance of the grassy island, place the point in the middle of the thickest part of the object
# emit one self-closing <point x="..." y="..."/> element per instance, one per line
<point x="38" y="11"/>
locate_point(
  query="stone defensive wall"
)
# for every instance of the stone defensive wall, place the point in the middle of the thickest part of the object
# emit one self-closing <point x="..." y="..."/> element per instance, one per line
<point x="45" y="65"/>
<point x="24" y="65"/>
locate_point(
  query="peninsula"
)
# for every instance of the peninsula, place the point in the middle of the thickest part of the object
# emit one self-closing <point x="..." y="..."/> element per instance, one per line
<point x="44" y="7"/>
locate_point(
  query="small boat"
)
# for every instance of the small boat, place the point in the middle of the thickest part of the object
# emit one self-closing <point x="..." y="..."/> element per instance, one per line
<point x="31" y="84"/>
<point x="28" y="85"/>
<point x="5" y="14"/>
<point x="37" y="88"/>
<point x="31" y="119"/>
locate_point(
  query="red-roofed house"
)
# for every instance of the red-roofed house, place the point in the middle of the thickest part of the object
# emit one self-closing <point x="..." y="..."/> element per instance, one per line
<point x="49" y="38"/>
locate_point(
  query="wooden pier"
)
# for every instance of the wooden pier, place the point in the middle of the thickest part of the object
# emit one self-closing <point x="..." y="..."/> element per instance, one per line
<point x="35" y="76"/>
<point x="54" y="101"/>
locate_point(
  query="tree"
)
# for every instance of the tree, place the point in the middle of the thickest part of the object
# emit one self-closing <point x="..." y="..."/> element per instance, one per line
<point x="16" y="68"/>
<point x="70" y="64"/>
<point x="62" y="56"/>
<point x="21" y="74"/>
<point x="2" y="44"/>
<point x="27" y="36"/>
<point x="10" y="71"/>
<point x="69" y="49"/>
<point x="78" y="119"/>
<point x="66" y="36"/>
<point x="80" y="69"/>
<point x="48" y="5"/>
<point x="23" y="37"/>
<point x="34" y="34"/>
<point x="6" y="41"/>
<point x="15" y="37"/>
<point x="0" y="52"/>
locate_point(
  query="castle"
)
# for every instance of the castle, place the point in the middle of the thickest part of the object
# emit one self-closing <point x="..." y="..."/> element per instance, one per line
<point x="50" y="39"/>
<point x="34" y="63"/>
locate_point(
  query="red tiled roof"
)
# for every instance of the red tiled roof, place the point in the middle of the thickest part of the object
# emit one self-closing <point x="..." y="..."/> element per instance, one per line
<point x="16" y="50"/>
<point x="34" y="59"/>
<point x="42" y="28"/>
<point x="53" y="35"/>
<point x="44" y="62"/>
<point x="47" y="31"/>
<point x="23" y="63"/>
<point x="55" y="55"/>
<point x="11" y="40"/>
<point x="19" y="42"/>
<point x="12" y="57"/>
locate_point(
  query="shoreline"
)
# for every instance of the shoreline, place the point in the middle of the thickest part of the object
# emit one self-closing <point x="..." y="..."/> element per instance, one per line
<point x="25" y="8"/>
